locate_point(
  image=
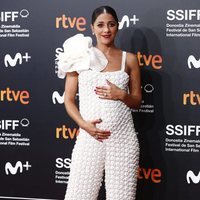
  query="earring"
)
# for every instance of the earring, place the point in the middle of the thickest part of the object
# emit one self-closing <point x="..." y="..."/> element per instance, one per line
<point x="92" y="33"/>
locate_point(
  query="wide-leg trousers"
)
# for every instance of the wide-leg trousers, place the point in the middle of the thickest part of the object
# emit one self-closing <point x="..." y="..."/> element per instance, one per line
<point x="118" y="156"/>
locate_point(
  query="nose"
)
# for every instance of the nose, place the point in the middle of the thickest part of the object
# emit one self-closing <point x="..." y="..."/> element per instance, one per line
<point x="106" y="28"/>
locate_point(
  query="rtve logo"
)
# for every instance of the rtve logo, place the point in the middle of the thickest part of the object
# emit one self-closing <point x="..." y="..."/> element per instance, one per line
<point x="71" y="22"/>
<point x="18" y="59"/>
<point x="153" y="175"/>
<point x="151" y="60"/>
<point x="66" y="133"/>
<point x="183" y="15"/>
<point x="13" y="15"/>
<point x="193" y="62"/>
<point x="10" y="169"/>
<point x="126" y="20"/>
<point x="13" y="124"/>
<point x="192" y="98"/>
<point x="12" y="95"/>
<point x="192" y="177"/>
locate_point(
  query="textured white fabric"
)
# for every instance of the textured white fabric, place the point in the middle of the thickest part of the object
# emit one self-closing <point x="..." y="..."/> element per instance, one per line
<point x="79" y="55"/>
<point x="118" y="155"/>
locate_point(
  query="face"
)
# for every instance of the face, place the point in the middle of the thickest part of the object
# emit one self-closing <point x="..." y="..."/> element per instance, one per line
<point x="105" y="29"/>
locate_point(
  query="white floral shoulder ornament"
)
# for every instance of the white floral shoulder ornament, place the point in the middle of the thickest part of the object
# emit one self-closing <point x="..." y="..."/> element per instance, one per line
<point x="78" y="55"/>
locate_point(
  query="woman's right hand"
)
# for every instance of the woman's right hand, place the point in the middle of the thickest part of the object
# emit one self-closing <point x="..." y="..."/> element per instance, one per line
<point x="98" y="134"/>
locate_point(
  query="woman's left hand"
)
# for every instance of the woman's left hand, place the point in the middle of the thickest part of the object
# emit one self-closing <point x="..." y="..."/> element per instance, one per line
<point x="111" y="91"/>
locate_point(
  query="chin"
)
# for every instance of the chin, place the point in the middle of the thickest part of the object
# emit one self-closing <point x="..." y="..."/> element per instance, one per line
<point x="107" y="42"/>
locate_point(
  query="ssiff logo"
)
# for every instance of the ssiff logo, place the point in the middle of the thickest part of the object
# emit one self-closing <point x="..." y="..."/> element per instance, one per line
<point x="18" y="167"/>
<point x="12" y="124"/>
<point x="58" y="51"/>
<point x="18" y="59"/>
<point x="193" y="62"/>
<point x="13" y="15"/>
<point x="181" y="15"/>
<point x="192" y="177"/>
<point x="63" y="163"/>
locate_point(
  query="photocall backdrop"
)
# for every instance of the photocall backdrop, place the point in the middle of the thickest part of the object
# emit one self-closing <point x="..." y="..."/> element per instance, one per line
<point x="37" y="135"/>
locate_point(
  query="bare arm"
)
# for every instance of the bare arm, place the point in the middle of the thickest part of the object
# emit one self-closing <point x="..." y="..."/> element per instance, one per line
<point x="71" y="87"/>
<point x="133" y="99"/>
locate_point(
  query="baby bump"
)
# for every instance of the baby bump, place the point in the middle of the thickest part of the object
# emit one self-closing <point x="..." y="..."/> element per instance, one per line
<point x="114" y="114"/>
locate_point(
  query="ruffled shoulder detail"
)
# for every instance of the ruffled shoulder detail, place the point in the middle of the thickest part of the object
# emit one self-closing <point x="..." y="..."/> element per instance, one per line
<point x="79" y="55"/>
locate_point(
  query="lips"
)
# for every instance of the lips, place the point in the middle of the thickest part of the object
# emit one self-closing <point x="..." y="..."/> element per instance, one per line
<point x="106" y="36"/>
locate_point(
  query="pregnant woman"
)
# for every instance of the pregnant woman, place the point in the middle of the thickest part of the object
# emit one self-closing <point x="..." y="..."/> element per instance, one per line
<point x="108" y="82"/>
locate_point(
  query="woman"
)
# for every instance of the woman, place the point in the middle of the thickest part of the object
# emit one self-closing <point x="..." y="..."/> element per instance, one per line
<point x="108" y="80"/>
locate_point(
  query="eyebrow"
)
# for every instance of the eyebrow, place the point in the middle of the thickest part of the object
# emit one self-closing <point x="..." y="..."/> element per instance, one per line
<point x="108" y="21"/>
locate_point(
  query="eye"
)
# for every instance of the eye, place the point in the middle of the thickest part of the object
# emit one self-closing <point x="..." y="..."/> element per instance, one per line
<point x="100" y="25"/>
<point x="112" y="24"/>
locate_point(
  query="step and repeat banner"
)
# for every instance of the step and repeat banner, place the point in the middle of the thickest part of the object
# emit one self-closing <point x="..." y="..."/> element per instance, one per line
<point x="37" y="135"/>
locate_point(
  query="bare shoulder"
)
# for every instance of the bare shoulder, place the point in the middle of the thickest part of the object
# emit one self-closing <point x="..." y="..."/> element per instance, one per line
<point x="132" y="61"/>
<point x="74" y="73"/>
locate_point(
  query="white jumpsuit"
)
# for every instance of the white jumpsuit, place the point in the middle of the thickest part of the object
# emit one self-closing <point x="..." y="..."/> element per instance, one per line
<point x="118" y="155"/>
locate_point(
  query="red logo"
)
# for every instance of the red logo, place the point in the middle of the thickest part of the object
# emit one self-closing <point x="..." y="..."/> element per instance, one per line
<point x="12" y="95"/>
<point x="150" y="174"/>
<point x="66" y="133"/>
<point x="71" y="22"/>
<point x="151" y="60"/>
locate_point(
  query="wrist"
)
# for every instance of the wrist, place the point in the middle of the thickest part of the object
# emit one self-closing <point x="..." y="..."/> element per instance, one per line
<point x="122" y="95"/>
<point x="82" y="124"/>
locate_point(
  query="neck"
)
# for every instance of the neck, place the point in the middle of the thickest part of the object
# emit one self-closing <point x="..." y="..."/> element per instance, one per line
<point x="106" y="49"/>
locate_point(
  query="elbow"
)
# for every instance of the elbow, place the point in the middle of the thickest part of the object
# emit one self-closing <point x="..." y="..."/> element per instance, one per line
<point x="137" y="103"/>
<point x="137" y="106"/>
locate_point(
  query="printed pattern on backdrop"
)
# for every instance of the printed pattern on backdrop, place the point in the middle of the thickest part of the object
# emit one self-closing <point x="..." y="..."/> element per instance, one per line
<point x="37" y="135"/>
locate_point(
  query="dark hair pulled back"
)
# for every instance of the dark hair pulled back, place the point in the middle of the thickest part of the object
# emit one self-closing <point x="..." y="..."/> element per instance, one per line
<point x="104" y="9"/>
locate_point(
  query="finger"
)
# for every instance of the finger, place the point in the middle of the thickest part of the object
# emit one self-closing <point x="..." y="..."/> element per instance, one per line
<point x="102" y="87"/>
<point x="99" y="92"/>
<point x="96" y="121"/>
<point x="104" y="94"/>
<point x="108" y="82"/>
<point x="104" y="97"/>
<point x="100" y="138"/>
<point x="98" y="130"/>
<point x="103" y="137"/>
<point x="104" y="134"/>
